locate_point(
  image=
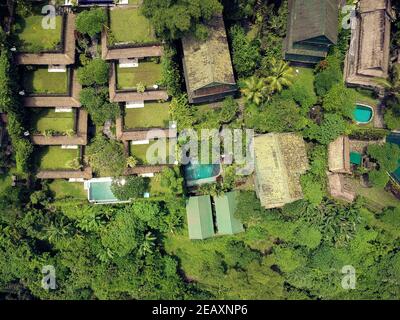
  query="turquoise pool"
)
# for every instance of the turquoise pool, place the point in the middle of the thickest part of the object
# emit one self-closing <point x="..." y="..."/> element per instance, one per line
<point x="395" y="138"/>
<point x="101" y="192"/>
<point x="363" y="113"/>
<point x="195" y="172"/>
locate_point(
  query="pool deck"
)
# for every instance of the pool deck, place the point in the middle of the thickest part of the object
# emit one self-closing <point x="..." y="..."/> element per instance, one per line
<point x="86" y="186"/>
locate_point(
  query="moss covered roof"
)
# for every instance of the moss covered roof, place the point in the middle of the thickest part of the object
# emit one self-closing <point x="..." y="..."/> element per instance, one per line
<point x="208" y="62"/>
<point x="280" y="159"/>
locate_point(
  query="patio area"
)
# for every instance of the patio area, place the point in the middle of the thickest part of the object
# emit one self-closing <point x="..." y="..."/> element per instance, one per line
<point x="39" y="80"/>
<point x="44" y="119"/>
<point x="148" y="73"/>
<point x="139" y="118"/>
<point x="55" y="158"/>
<point x="33" y="38"/>
<point x="127" y="25"/>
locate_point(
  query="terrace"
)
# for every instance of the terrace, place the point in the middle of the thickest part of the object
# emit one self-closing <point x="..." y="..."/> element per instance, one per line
<point x="39" y="80"/>
<point x="148" y="74"/>
<point x="138" y="118"/>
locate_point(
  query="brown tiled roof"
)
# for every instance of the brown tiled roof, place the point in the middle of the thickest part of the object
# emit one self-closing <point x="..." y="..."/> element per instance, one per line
<point x="124" y="96"/>
<point x="64" y="58"/>
<point x="339" y="155"/>
<point x="65" y="174"/>
<point x="128" y="52"/>
<point x="57" y="101"/>
<point x="367" y="60"/>
<point x="79" y="139"/>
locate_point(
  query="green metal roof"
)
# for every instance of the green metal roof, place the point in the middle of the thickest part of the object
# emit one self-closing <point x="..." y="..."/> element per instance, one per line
<point x="199" y="216"/>
<point x="225" y="207"/>
<point x="355" y="158"/>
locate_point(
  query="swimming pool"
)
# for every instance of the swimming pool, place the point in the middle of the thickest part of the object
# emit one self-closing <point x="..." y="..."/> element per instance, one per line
<point x="99" y="190"/>
<point x="363" y="114"/>
<point x="201" y="173"/>
<point x="394" y="137"/>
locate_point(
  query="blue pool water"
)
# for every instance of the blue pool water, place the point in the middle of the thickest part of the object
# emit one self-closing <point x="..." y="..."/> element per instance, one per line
<point x="362" y="114"/>
<point x="101" y="191"/>
<point x="201" y="171"/>
<point x="395" y="138"/>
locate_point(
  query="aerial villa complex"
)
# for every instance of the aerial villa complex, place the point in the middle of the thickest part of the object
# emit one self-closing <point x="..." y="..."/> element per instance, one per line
<point x="199" y="149"/>
<point x="51" y="92"/>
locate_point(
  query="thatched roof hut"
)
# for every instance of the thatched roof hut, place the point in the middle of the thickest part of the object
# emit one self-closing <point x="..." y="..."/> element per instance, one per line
<point x="339" y="155"/>
<point x="367" y="60"/>
<point x="312" y="28"/>
<point x="280" y="159"/>
<point x="207" y="64"/>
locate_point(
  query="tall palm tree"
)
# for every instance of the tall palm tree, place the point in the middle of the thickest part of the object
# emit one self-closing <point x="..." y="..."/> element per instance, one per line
<point x="281" y="75"/>
<point x="148" y="244"/>
<point x="253" y="90"/>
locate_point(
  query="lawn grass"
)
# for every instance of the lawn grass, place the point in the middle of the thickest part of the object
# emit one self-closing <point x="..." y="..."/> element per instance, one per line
<point x="139" y="151"/>
<point x="40" y="81"/>
<point x="34" y="38"/>
<point x="128" y="25"/>
<point x="306" y="77"/>
<point x="43" y="119"/>
<point x="155" y="188"/>
<point x="378" y="197"/>
<point x="54" y="158"/>
<point x="148" y="73"/>
<point x="153" y="115"/>
<point x="64" y="189"/>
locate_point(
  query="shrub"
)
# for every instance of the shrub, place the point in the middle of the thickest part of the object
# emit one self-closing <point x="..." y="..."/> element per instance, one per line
<point x="91" y="21"/>
<point x="106" y="157"/>
<point x="94" y="72"/>
<point x="128" y="187"/>
<point x="245" y="53"/>
<point x="95" y="101"/>
<point x="329" y="73"/>
<point x="171" y="77"/>
<point x="332" y="126"/>
<point x="340" y="100"/>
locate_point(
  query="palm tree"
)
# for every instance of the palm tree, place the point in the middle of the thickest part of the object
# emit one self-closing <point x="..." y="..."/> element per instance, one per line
<point x="281" y="75"/>
<point x="253" y="90"/>
<point x="147" y="245"/>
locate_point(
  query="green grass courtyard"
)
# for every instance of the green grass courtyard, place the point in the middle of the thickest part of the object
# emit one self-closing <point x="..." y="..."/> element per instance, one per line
<point x="55" y="158"/>
<point x="128" y="25"/>
<point x="43" y="119"/>
<point x="148" y="73"/>
<point x="153" y="115"/>
<point x="34" y="38"/>
<point x="41" y="81"/>
<point x="139" y="151"/>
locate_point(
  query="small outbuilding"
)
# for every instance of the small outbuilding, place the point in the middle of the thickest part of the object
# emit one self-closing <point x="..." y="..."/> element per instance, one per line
<point x="199" y="217"/>
<point x="225" y="207"/>
<point x="207" y="64"/>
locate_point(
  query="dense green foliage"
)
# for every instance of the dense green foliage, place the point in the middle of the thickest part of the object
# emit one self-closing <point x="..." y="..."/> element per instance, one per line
<point x="95" y="101"/>
<point x="91" y="21"/>
<point x="173" y="19"/>
<point x="94" y="72"/>
<point x="387" y="157"/>
<point x="129" y="188"/>
<point x="106" y="157"/>
<point x="245" y="53"/>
